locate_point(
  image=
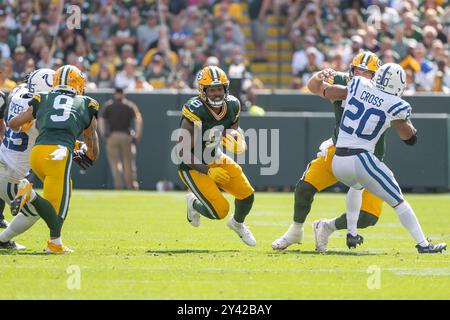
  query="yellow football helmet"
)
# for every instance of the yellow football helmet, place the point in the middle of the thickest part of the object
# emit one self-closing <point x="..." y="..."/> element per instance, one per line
<point x="69" y="78"/>
<point x="365" y="60"/>
<point x="212" y="76"/>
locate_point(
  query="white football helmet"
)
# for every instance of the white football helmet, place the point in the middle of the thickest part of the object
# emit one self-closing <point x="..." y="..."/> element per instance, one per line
<point x="390" y="78"/>
<point x="40" y="80"/>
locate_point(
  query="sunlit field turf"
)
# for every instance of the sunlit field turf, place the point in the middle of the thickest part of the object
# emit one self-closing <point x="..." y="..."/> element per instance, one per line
<point x="138" y="245"/>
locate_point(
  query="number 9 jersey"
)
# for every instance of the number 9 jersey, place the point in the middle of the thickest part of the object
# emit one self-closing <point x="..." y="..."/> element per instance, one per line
<point x="62" y="117"/>
<point x="368" y="112"/>
<point x="16" y="146"/>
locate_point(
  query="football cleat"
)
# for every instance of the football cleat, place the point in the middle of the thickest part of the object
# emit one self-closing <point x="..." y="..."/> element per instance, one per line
<point x="243" y="232"/>
<point x="11" y="245"/>
<point x="57" y="248"/>
<point x="192" y="215"/>
<point x="353" y="241"/>
<point x="322" y="232"/>
<point x="432" y="248"/>
<point x="22" y="196"/>
<point x="3" y="224"/>
<point x="287" y="239"/>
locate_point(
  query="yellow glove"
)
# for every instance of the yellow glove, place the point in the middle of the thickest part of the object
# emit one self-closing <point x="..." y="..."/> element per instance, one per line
<point x="234" y="142"/>
<point x="219" y="175"/>
<point x="26" y="126"/>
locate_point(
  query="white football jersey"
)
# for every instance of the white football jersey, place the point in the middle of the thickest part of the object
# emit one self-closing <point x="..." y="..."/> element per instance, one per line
<point x="368" y="112"/>
<point x="16" y="146"/>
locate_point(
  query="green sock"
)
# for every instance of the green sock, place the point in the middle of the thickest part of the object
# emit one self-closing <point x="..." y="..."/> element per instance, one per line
<point x="304" y="197"/>
<point x="200" y="207"/>
<point x="365" y="220"/>
<point x="48" y="213"/>
<point x="242" y="208"/>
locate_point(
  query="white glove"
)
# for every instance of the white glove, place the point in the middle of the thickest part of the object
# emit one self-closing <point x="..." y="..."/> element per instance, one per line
<point x="324" y="146"/>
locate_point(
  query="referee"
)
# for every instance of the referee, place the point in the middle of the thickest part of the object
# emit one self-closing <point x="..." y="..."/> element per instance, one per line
<point x="116" y="127"/>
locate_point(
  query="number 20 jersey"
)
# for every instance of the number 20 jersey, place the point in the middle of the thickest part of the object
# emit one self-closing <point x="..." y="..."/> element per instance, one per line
<point x="16" y="146"/>
<point x="62" y="117"/>
<point x="367" y="114"/>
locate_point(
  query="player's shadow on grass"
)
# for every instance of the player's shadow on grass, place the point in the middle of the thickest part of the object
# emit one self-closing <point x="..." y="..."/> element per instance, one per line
<point x="333" y="253"/>
<point x="23" y="253"/>
<point x="188" y="251"/>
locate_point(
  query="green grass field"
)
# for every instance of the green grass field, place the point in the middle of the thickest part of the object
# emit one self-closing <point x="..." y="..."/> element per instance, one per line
<point x="138" y="245"/>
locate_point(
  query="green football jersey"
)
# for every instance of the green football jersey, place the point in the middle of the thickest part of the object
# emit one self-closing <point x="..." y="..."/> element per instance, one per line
<point x="62" y="117"/>
<point x="202" y="116"/>
<point x="342" y="79"/>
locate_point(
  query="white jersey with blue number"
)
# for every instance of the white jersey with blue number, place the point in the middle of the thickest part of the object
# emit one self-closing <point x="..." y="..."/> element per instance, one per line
<point x="16" y="146"/>
<point x="368" y="112"/>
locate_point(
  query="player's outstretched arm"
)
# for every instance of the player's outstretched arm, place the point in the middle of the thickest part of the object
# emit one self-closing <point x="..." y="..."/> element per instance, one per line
<point x="406" y="131"/>
<point x="319" y="85"/>
<point x="91" y="139"/>
<point x="16" y="123"/>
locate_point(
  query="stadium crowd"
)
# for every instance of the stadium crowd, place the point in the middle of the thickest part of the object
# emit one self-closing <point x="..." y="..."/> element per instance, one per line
<point x="150" y="44"/>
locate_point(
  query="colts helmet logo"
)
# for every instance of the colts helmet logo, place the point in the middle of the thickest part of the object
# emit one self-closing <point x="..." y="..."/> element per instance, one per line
<point x="45" y="77"/>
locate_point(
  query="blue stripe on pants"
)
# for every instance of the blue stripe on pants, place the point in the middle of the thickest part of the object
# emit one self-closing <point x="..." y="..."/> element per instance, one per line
<point x="380" y="171"/>
<point x="389" y="191"/>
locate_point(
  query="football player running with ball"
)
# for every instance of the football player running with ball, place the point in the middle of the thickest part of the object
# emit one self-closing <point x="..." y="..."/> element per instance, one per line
<point x="209" y="115"/>
<point x="62" y="114"/>
<point x="370" y="108"/>
<point x="318" y="174"/>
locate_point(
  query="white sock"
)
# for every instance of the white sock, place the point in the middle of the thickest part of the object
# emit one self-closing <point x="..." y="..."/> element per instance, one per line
<point x="57" y="241"/>
<point x="331" y="224"/>
<point x="237" y="224"/>
<point x="353" y="202"/>
<point x="32" y="195"/>
<point x="18" y="225"/>
<point x="294" y="233"/>
<point x="409" y="221"/>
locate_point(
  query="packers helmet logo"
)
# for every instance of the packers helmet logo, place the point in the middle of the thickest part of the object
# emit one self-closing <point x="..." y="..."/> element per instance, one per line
<point x="200" y="75"/>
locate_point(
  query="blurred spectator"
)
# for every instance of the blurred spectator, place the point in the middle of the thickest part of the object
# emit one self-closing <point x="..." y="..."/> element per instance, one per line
<point x="300" y="58"/>
<point x="122" y="33"/>
<point x="96" y="37"/>
<point x="227" y="43"/>
<point x="257" y="11"/>
<point x="46" y="60"/>
<point x="425" y="77"/>
<point x="410" y="83"/>
<point x="148" y="33"/>
<point x="311" y="65"/>
<point x="6" y="42"/>
<point x="127" y="76"/>
<point x="411" y="29"/>
<point x="157" y="74"/>
<point x="116" y="127"/>
<point x="25" y="29"/>
<point x="5" y="82"/>
<point x="441" y="82"/>
<point x="20" y="60"/>
<point x="178" y="35"/>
